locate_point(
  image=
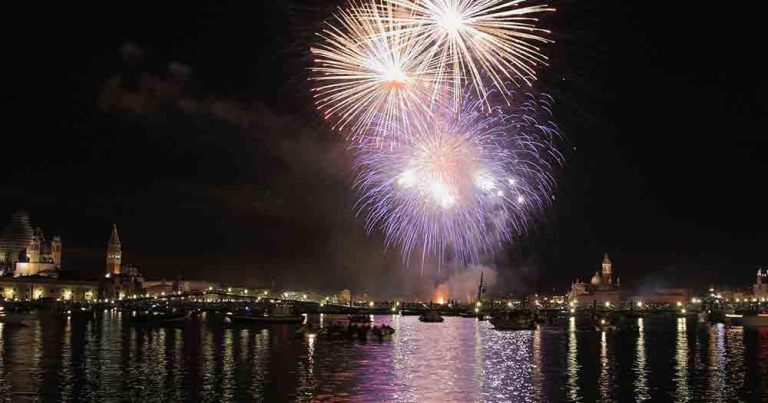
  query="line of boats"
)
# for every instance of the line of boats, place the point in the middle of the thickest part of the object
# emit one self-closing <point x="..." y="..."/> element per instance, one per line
<point x="513" y="319"/>
<point x="529" y="319"/>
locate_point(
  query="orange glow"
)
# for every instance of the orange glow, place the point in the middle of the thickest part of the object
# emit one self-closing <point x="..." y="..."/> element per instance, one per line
<point x="441" y="294"/>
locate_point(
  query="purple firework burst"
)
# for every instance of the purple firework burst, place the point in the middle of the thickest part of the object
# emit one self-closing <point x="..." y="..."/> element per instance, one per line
<point x="464" y="182"/>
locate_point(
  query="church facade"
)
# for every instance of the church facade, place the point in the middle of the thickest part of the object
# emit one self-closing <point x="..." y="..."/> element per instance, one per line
<point x="27" y="252"/>
<point x="601" y="289"/>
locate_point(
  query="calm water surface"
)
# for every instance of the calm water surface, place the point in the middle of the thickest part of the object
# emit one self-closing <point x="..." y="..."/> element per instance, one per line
<point x="53" y="359"/>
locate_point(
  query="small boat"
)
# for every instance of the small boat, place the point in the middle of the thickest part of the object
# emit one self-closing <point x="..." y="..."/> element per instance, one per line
<point x="605" y="325"/>
<point x="703" y="317"/>
<point x="77" y="312"/>
<point x="430" y="317"/>
<point x="411" y="312"/>
<point x="154" y="317"/>
<point x="280" y="314"/>
<point x="264" y="318"/>
<point x="380" y="333"/>
<point x="15" y="318"/>
<point x="306" y="330"/>
<point x="522" y="319"/>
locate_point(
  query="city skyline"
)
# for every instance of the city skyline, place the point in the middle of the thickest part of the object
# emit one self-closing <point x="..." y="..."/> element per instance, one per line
<point x="241" y="180"/>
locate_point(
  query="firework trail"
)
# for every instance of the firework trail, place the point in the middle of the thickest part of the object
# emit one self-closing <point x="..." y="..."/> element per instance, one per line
<point x="464" y="183"/>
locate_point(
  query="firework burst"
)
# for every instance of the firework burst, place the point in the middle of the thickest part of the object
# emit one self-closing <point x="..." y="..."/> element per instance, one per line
<point x="471" y="41"/>
<point x="464" y="183"/>
<point x="366" y="66"/>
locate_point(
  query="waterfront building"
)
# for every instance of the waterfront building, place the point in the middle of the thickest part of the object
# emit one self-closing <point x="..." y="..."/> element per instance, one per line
<point x="600" y="290"/>
<point x="195" y="285"/>
<point x="664" y="296"/>
<point x="159" y="287"/>
<point x="27" y="288"/>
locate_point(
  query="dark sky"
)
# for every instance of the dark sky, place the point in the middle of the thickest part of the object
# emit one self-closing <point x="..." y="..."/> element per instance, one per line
<point x="202" y="144"/>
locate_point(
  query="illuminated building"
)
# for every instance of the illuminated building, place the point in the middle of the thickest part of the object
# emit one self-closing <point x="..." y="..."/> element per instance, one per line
<point x="36" y="287"/>
<point x="601" y="289"/>
<point x="114" y="253"/>
<point x="119" y="279"/>
<point x="344" y="297"/>
<point x="760" y="289"/>
<point x="664" y="296"/>
<point x="26" y="252"/>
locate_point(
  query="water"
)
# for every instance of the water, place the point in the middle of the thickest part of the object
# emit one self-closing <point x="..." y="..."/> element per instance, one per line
<point x="54" y="359"/>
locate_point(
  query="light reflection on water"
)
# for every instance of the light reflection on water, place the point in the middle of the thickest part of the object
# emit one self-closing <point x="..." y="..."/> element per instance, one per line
<point x="573" y="363"/>
<point x="682" y="394"/>
<point x="458" y="360"/>
<point x="640" y="370"/>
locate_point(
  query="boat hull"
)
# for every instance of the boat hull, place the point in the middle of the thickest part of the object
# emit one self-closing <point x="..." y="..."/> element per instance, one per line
<point x="266" y="319"/>
<point x="431" y="320"/>
<point x="751" y="320"/>
<point x="166" y="319"/>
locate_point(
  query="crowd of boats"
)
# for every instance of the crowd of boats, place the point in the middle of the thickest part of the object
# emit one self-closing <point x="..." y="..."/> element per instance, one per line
<point x="602" y="320"/>
<point x="359" y="326"/>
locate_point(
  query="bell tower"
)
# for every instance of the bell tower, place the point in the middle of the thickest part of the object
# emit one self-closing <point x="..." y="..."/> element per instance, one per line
<point x="56" y="251"/>
<point x="114" y="253"/>
<point x="607" y="269"/>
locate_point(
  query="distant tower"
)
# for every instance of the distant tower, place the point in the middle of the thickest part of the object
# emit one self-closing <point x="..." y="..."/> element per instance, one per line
<point x="114" y="253"/>
<point x="607" y="269"/>
<point x="33" y="248"/>
<point x="760" y="276"/>
<point x="56" y="251"/>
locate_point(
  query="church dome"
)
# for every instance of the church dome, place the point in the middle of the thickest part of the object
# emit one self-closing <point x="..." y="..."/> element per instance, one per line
<point x="595" y="279"/>
<point x="15" y="236"/>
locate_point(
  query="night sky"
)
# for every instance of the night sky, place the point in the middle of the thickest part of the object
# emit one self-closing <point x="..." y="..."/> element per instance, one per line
<point x="192" y="127"/>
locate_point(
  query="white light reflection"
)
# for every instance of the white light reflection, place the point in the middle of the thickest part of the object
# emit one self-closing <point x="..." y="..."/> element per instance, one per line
<point x="716" y="362"/>
<point x="640" y="371"/>
<point x="606" y="383"/>
<point x="682" y="393"/>
<point x="572" y="362"/>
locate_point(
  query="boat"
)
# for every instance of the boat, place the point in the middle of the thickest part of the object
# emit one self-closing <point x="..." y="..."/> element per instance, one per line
<point x="522" y="319"/>
<point x="606" y="325"/>
<point x="156" y="317"/>
<point x="77" y="312"/>
<point x="703" y="317"/>
<point x="430" y="317"/>
<point x="11" y="317"/>
<point x="280" y="314"/>
<point x="264" y="318"/>
<point x="381" y="333"/>
<point x="411" y="312"/>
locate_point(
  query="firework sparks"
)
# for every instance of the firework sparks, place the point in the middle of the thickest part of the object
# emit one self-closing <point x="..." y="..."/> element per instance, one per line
<point x="467" y="40"/>
<point x="464" y="183"/>
<point x="366" y="66"/>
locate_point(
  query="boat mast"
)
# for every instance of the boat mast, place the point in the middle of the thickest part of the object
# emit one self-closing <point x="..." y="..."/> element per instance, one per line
<point x="480" y="287"/>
